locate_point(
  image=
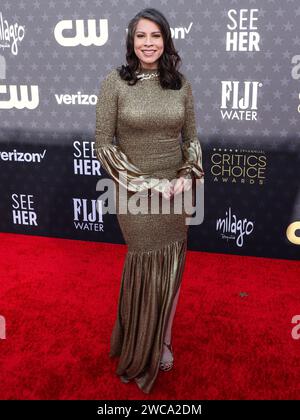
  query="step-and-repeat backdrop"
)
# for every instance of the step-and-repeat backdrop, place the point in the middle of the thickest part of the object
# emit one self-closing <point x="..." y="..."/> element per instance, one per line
<point x="243" y="60"/>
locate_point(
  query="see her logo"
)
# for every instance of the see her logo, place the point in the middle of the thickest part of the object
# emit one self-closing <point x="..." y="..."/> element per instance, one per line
<point x="2" y="328"/>
<point x="296" y="330"/>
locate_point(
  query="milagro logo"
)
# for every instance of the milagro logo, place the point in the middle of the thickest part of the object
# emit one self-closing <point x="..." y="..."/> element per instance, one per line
<point x="71" y="33"/>
<point x="233" y="228"/>
<point x="10" y="35"/>
<point x="19" y="96"/>
<point x="242" y="34"/>
<point x="296" y="330"/>
<point x="239" y="100"/>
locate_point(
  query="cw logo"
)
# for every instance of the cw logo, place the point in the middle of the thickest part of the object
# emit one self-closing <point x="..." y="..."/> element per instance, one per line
<point x="77" y="35"/>
<point x="291" y="233"/>
<point x="2" y="328"/>
<point x="19" y="100"/>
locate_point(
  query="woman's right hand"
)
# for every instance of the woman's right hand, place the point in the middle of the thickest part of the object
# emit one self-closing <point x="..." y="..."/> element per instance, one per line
<point x="168" y="191"/>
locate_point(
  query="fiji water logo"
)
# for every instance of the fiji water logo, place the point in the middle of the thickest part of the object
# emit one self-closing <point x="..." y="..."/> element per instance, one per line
<point x="233" y="228"/>
<point x="239" y="100"/>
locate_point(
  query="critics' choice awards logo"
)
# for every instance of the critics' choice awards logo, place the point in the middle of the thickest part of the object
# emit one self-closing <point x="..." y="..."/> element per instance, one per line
<point x="23" y="212"/>
<point x="296" y="73"/>
<point x="242" y="32"/>
<point x="239" y="100"/>
<point x="88" y="214"/>
<point x="238" y="166"/>
<point x="85" y="161"/>
<point x="233" y="228"/>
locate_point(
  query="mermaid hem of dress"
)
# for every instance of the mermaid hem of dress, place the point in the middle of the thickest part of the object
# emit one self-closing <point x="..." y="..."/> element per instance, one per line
<point x="149" y="283"/>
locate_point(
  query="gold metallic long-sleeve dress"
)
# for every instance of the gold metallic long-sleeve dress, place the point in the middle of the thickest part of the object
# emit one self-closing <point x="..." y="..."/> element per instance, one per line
<point x="146" y="121"/>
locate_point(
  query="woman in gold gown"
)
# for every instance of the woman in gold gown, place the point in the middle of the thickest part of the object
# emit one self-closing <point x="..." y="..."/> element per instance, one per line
<point x="145" y="106"/>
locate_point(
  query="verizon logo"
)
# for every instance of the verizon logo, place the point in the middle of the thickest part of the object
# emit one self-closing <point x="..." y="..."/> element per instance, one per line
<point x="15" y="156"/>
<point x="76" y="99"/>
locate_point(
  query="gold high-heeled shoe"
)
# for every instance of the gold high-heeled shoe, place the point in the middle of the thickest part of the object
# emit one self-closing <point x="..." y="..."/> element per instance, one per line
<point x="166" y="366"/>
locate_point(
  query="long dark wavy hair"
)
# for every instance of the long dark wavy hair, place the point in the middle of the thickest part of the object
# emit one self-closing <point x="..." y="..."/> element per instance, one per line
<point x="168" y="62"/>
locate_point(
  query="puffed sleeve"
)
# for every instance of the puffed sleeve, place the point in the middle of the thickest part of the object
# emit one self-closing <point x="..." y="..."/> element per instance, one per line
<point x="112" y="158"/>
<point x="191" y="148"/>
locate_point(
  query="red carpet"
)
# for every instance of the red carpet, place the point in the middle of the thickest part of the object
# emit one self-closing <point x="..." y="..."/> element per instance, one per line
<point x="231" y="333"/>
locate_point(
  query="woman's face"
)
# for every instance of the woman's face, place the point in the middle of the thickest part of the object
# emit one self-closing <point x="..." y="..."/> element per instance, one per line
<point x="148" y="43"/>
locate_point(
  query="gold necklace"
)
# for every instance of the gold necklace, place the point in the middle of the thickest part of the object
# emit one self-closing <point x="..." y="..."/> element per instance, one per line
<point x="144" y="76"/>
